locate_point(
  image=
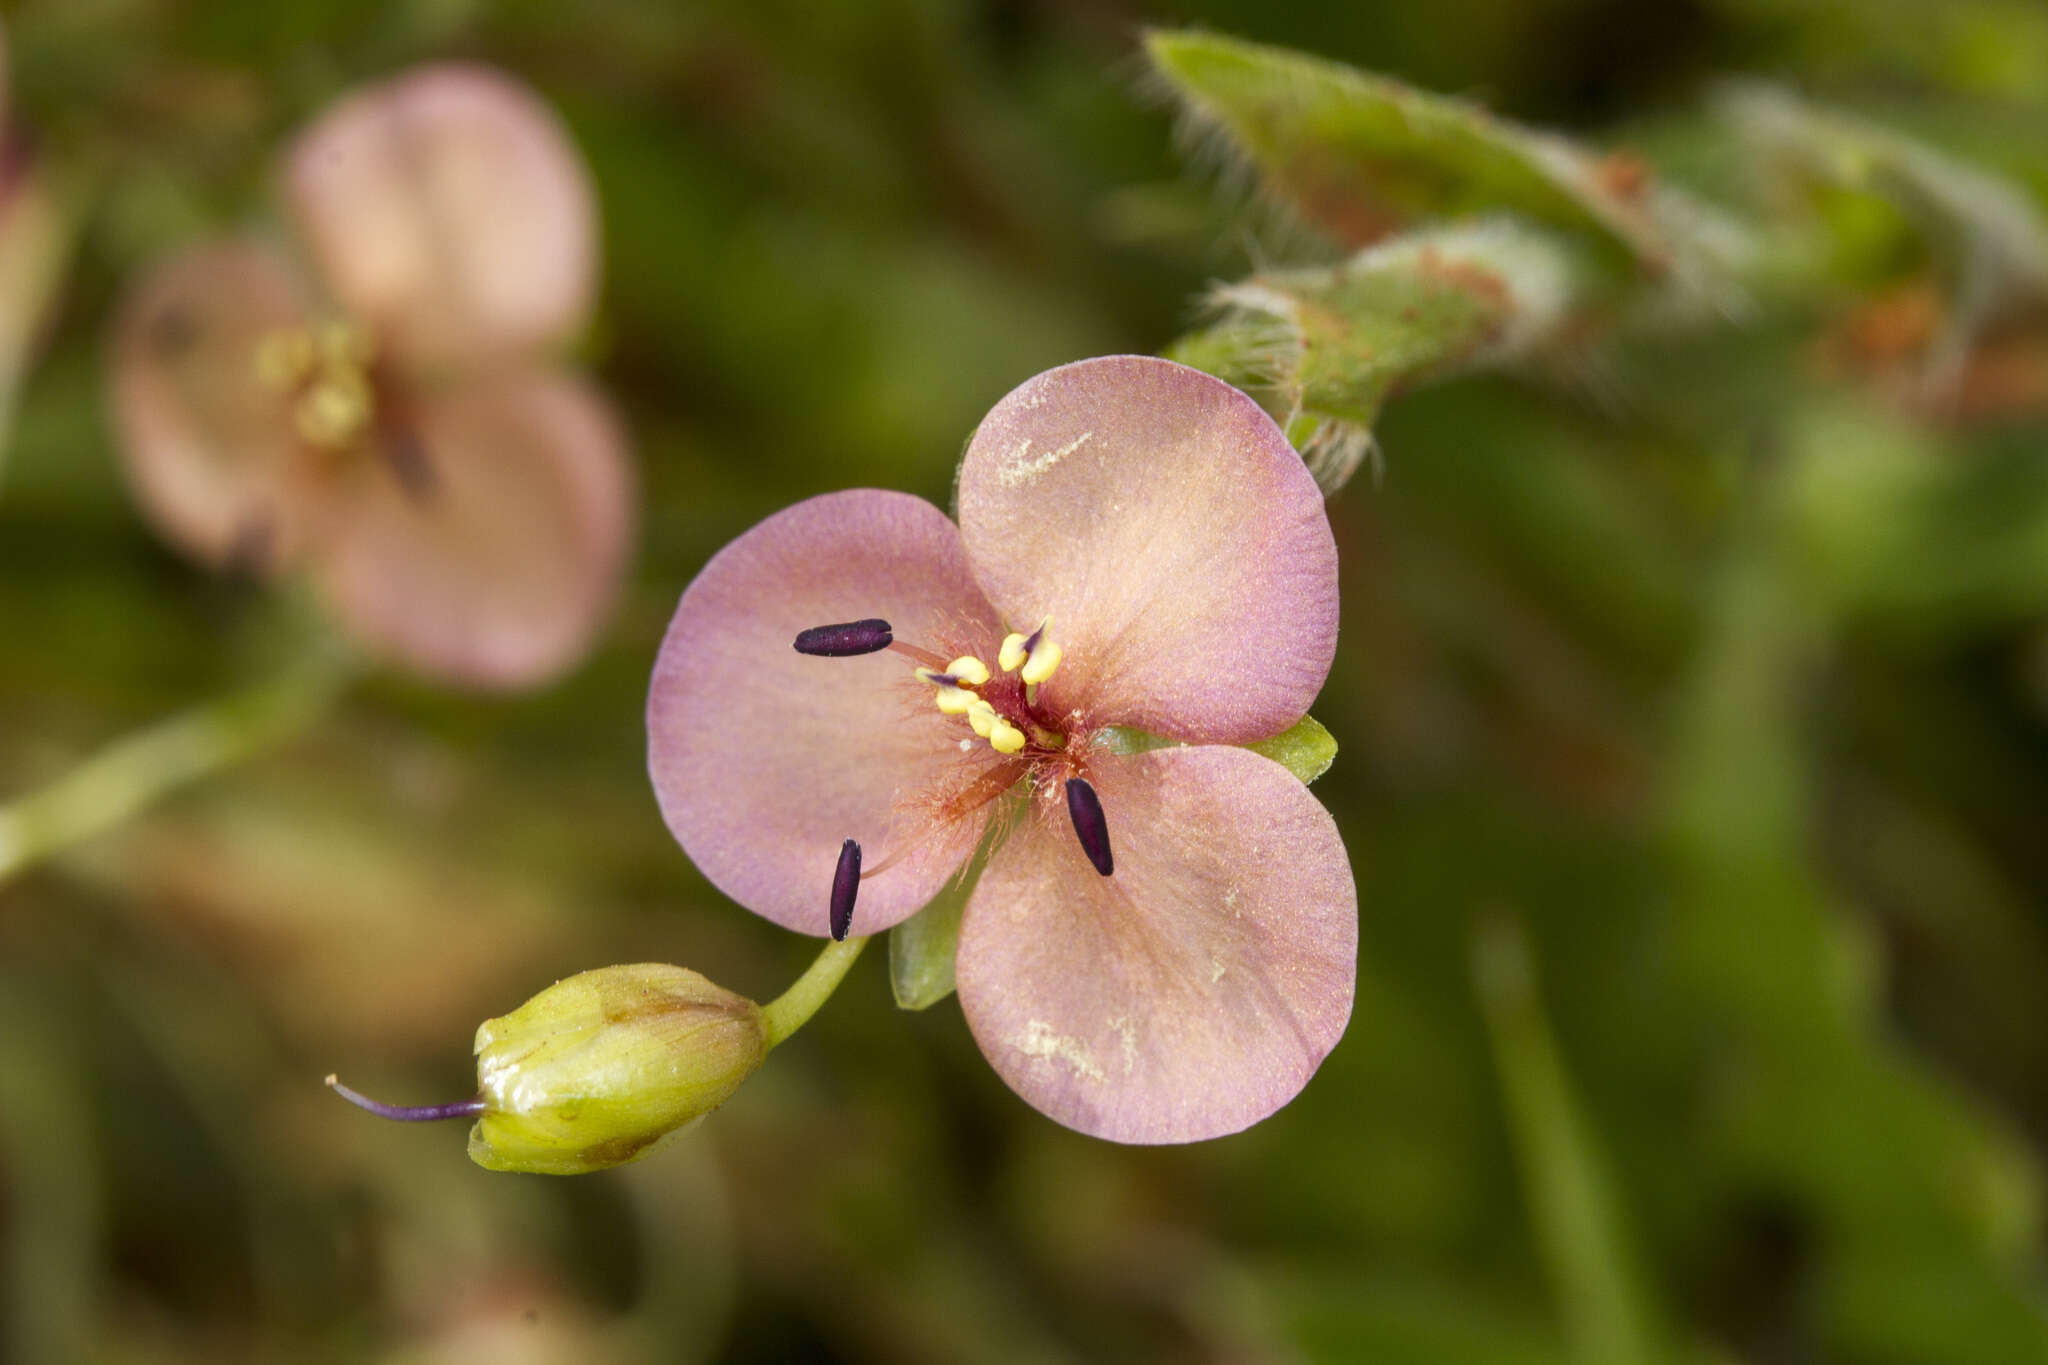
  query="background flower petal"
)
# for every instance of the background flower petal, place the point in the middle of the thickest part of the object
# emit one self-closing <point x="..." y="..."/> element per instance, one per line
<point x="1195" y="991"/>
<point x="766" y="760"/>
<point x="210" y="449"/>
<point x="1174" y="536"/>
<point x="448" y="210"/>
<point x="483" y="539"/>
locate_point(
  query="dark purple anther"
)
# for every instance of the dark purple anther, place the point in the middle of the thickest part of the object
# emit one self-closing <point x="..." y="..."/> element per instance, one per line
<point x="1085" y="808"/>
<point x="248" y="554"/>
<point x="838" y="642"/>
<point x="408" y="1113"/>
<point x="845" y="886"/>
<point x="407" y="455"/>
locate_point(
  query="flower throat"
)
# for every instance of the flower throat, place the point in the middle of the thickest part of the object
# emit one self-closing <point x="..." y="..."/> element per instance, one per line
<point x="998" y="708"/>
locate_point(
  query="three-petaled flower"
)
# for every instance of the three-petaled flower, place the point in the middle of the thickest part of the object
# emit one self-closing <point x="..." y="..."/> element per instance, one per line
<point x="391" y="417"/>
<point x="1162" y="946"/>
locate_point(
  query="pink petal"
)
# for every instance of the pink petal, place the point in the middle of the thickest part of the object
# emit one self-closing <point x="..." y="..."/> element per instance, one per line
<point x="209" y="448"/>
<point x="1175" y="538"/>
<point x="765" y="760"/>
<point x="484" y="544"/>
<point x="1193" y="992"/>
<point x="449" y="211"/>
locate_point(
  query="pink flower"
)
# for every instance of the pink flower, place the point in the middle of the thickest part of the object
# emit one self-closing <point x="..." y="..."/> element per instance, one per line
<point x="35" y="241"/>
<point x="1163" y="945"/>
<point x="389" y="417"/>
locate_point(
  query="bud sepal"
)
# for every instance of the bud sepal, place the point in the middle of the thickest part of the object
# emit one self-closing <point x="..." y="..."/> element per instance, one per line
<point x="595" y="1070"/>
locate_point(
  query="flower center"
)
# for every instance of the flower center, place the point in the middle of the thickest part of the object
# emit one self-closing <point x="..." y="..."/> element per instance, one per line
<point x="325" y="373"/>
<point x="997" y="706"/>
<point x="340" y="396"/>
<point x="1006" y="716"/>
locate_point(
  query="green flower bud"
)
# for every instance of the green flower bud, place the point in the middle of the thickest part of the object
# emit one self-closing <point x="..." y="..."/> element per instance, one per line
<point x="596" y="1069"/>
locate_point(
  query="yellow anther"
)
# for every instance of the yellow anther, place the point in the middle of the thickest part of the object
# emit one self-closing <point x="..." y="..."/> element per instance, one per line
<point x="1004" y="737"/>
<point x="284" y="357"/>
<point x="343" y="345"/>
<point x="1035" y="653"/>
<point x="334" y="411"/>
<point x="1041" y="662"/>
<point x="982" y="717"/>
<point x="955" y="701"/>
<point x="969" y="670"/>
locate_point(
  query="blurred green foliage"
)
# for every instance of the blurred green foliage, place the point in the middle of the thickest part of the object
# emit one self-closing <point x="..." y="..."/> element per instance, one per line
<point x="1693" y="703"/>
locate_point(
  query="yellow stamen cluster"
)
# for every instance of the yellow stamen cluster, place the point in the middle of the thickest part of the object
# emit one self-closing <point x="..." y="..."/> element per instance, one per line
<point x="1036" y="654"/>
<point x="327" y="370"/>
<point x="956" y="697"/>
<point x="1002" y="736"/>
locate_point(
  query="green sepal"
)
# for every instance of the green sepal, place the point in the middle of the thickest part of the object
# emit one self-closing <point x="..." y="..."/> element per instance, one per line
<point x="598" y="1068"/>
<point x="1323" y="347"/>
<point x="1304" y="748"/>
<point x="922" y="948"/>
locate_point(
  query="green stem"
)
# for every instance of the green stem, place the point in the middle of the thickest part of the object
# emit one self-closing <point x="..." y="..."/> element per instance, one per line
<point x="1575" y="1209"/>
<point x="132" y="773"/>
<point x="791" y="1010"/>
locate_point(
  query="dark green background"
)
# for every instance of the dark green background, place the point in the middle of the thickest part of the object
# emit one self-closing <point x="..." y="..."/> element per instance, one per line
<point x="1659" y="661"/>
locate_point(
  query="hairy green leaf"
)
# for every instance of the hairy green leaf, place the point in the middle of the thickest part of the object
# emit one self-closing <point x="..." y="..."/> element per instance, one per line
<point x="1987" y="238"/>
<point x="1362" y="156"/>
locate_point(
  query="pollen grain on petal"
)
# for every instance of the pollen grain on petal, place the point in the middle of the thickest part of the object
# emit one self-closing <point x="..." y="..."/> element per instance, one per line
<point x="1041" y="1041"/>
<point x="1023" y="467"/>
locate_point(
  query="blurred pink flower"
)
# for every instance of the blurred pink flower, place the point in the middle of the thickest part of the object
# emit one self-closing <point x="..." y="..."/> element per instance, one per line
<point x="1162" y="947"/>
<point x="390" y="417"/>
<point x="35" y="242"/>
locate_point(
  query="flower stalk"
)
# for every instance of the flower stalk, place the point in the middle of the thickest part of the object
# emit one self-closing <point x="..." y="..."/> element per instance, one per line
<point x="791" y="1010"/>
<point x="135" y="772"/>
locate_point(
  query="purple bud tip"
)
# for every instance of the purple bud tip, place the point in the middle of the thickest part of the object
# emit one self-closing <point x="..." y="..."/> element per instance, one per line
<point x="838" y="642"/>
<point x="1084" y="807"/>
<point x="408" y="1113"/>
<point x="845" y="886"/>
